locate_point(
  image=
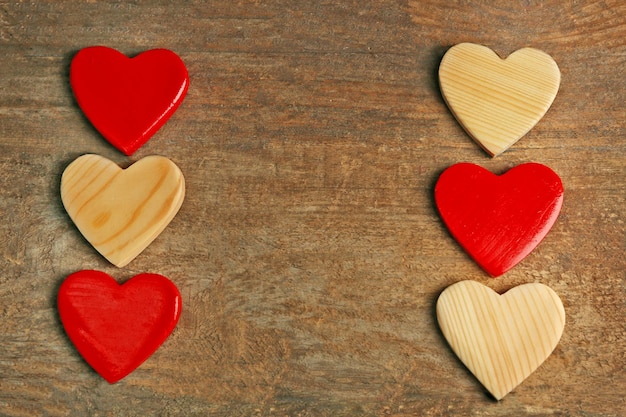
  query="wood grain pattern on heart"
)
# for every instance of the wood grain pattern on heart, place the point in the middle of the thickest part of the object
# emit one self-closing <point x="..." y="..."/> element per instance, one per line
<point x="501" y="339"/>
<point x="121" y="211"/>
<point x="497" y="101"/>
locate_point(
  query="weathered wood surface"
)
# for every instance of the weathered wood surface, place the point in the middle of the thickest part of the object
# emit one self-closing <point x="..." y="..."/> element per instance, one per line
<point x="308" y="250"/>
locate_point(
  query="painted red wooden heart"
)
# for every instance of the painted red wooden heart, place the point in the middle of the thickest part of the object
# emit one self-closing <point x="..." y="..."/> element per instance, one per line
<point x="499" y="220"/>
<point x="128" y="100"/>
<point x="117" y="327"/>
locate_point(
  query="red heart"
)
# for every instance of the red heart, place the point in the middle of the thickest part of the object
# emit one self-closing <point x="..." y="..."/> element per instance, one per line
<point x="499" y="220"/>
<point x="128" y="100"/>
<point x="117" y="327"/>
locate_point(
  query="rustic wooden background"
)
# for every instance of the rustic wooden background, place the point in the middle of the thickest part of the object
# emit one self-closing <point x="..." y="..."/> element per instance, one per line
<point x="308" y="250"/>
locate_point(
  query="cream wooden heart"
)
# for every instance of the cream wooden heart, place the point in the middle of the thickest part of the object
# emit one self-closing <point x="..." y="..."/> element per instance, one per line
<point x="497" y="101"/>
<point x="121" y="211"/>
<point x="501" y="339"/>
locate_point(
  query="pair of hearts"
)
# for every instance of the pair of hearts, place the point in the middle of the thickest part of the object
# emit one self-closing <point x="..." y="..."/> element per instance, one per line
<point x="496" y="101"/>
<point x="499" y="220"/>
<point x="120" y="212"/>
<point x="501" y="339"/>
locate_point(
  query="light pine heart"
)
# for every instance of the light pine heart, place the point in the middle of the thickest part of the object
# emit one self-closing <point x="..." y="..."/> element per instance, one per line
<point x="501" y="339"/>
<point x="497" y="101"/>
<point x="121" y="211"/>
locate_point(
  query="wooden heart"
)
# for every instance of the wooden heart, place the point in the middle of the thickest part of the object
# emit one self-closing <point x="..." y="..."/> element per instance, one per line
<point x="120" y="212"/>
<point x="499" y="220"/>
<point x="128" y="100"/>
<point x="497" y="101"/>
<point x="117" y="327"/>
<point x="501" y="339"/>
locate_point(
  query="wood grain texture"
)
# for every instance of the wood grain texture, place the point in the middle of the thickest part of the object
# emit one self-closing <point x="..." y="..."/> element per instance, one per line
<point x="308" y="251"/>
<point x="497" y="101"/>
<point x="502" y="339"/>
<point x="121" y="211"/>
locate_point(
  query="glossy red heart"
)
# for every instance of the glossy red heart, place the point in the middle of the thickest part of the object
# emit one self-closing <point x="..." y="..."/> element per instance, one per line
<point x="117" y="327"/>
<point x="499" y="220"/>
<point x="128" y="99"/>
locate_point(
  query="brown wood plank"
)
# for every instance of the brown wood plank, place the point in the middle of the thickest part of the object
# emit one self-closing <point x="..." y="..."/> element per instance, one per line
<point x="308" y="250"/>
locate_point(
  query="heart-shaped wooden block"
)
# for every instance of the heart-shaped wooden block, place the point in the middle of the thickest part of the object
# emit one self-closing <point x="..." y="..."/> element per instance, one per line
<point x="497" y="101"/>
<point x="121" y="211"/>
<point x="128" y="99"/>
<point x="501" y="339"/>
<point x="117" y="327"/>
<point x="499" y="220"/>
